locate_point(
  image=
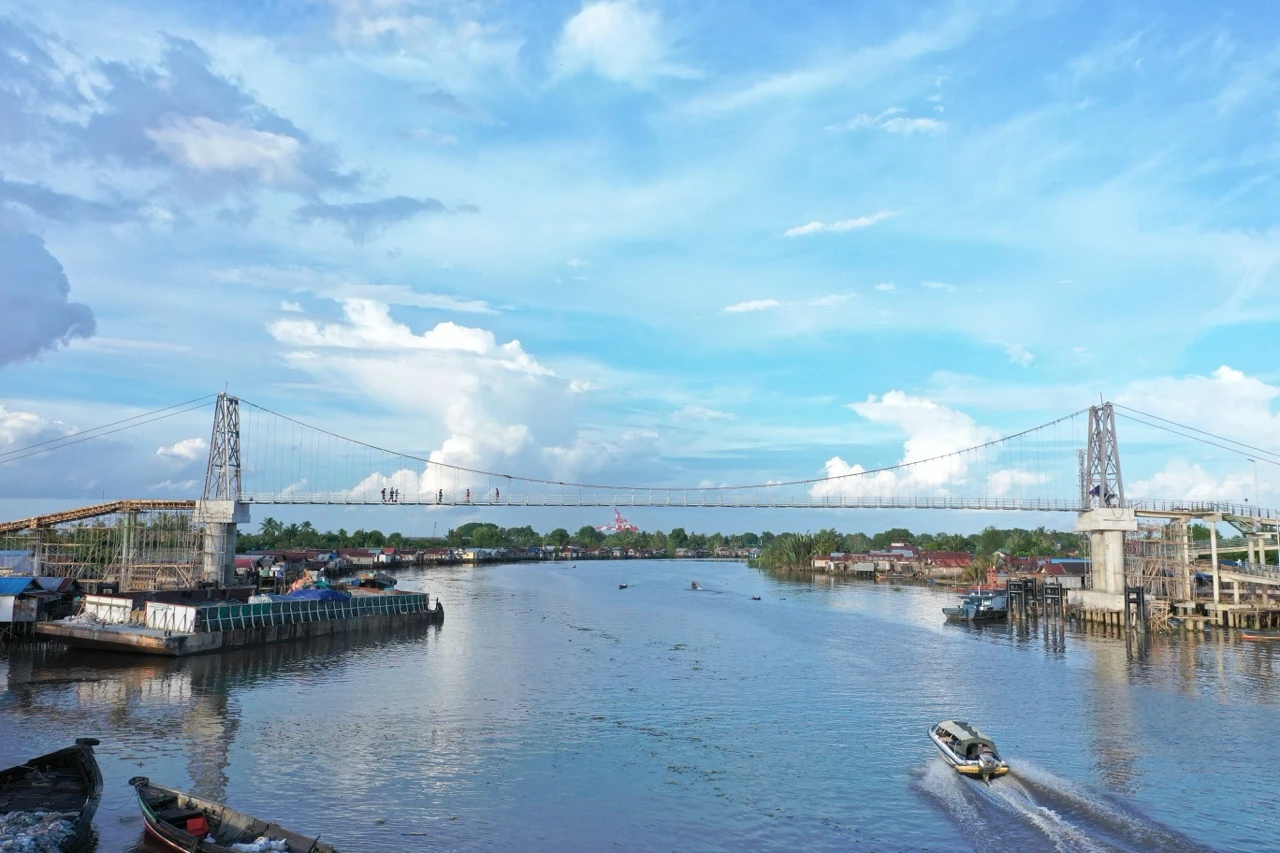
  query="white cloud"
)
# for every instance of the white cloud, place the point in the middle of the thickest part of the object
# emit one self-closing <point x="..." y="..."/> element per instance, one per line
<point x="1182" y="480"/>
<point x="426" y="134"/>
<point x="1017" y="353"/>
<point x="1227" y="402"/>
<point x="207" y="145"/>
<point x="340" y="287"/>
<point x="692" y="413"/>
<point x="291" y="307"/>
<point x="179" y="486"/>
<point x="932" y="431"/>
<point x="16" y="426"/>
<point x="885" y="287"/>
<point x="188" y="449"/>
<point x="938" y="285"/>
<point x="891" y="122"/>
<point x="830" y="299"/>
<point x="480" y="403"/>
<point x="840" y="225"/>
<point x="617" y="39"/>
<point x="752" y="305"/>
<point x="577" y="263"/>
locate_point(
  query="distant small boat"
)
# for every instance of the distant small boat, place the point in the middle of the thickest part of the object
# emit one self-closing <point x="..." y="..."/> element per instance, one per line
<point x="623" y="586"/>
<point x="1260" y="636"/>
<point x="185" y="823"/>
<point x="978" y="607"/>
<point x="64" y="786"/>
<point x="968" y="751"/>
<point x="694" y="585"/>
<point x="755" y="598"/>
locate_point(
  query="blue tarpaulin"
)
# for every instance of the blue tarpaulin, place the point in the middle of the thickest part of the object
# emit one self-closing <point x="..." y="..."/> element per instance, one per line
<point x="314" y="595"/>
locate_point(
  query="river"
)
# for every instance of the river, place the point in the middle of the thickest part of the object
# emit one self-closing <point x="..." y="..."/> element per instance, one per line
<point x="554" y="711"/>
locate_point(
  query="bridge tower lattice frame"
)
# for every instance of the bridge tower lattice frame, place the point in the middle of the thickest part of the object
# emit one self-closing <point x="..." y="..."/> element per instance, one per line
<point x="222" y="476"/>
<point x="1103" y="479"/>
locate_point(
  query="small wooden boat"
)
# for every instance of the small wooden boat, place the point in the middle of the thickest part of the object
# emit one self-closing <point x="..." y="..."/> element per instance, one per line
<point x="623" y="586"/>
<point x="1260" y="636"/>
<point x="65" y="785"/>
<point x="967" y="750"/>
<point x="755" y="598"/>
<point x="186" y="823"/>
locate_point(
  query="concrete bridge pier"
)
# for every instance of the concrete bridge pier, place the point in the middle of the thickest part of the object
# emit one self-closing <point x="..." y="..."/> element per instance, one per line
<point x="218" y="549"/>
<point x="1106" y="527"/>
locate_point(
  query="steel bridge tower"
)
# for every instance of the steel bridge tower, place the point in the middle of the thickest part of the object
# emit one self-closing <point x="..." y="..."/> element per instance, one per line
<point x="220" y="509"/>
<point x="1103" y="512"/>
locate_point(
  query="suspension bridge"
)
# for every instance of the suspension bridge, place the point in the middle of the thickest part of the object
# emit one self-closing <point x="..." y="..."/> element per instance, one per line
<point x="258" y="456"/>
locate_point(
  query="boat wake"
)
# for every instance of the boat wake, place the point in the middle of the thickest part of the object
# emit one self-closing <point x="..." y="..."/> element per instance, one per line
<point x="1034" y="809"/>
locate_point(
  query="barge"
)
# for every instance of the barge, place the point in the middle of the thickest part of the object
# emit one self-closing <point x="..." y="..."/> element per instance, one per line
<point x="114" y="623"/>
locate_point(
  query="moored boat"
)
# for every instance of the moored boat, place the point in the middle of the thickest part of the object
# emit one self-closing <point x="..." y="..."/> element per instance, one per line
<point x="1260" y="636"/>
<point x="49" y="802"/>
<point x="968" y="751"/>
<point x="978" y="607"/>
<point x="184" y="822"/>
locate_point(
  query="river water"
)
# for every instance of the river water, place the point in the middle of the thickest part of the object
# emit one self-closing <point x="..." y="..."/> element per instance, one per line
<point x="555" y="711"/>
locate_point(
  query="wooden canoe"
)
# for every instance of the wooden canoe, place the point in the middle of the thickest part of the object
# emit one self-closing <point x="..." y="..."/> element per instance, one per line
<point x="67" y="783"/>
<point x="174" y="819"/>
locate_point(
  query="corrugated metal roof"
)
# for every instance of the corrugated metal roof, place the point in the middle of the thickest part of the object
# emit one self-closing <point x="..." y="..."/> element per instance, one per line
<point x="14" y="586"/>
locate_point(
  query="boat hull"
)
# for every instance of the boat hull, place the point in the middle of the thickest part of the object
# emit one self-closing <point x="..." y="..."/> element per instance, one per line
<point x="76" y="774"/>
<point x="1260" y="636"/>
<point x="966" y="767"/>
<point x="228" y="826"/>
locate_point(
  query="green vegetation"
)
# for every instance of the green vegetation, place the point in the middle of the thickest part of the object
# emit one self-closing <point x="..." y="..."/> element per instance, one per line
<point x="796" y="550"/>
<point x="786" y="550"/>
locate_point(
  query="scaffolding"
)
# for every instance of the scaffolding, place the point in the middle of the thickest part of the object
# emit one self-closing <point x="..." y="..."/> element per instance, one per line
<point x="138" y="549"/>
<point x="1157" y="557"/>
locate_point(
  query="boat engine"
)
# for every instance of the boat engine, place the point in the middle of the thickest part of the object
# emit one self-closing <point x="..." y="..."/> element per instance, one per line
<point x="987" y="765"/>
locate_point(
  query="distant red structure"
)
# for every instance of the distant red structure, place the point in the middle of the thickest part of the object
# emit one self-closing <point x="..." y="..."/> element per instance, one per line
<point x="618" y="525"/>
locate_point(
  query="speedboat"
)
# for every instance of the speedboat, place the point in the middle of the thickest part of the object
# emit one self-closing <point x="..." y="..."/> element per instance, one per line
<point x="694" y="585"/>
<point x="978" y="607"/>
<point x="622" y="586"/>
<point x="967" y="750"/>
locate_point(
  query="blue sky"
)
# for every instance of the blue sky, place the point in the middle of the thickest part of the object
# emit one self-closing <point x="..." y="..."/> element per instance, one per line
<point x="669" y="243"/>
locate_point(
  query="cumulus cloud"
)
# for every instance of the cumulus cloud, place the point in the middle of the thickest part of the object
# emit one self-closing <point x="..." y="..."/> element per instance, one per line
<point x="752" y="305"/>
<point x="365" y="219"/>
<point x="489" y="404"/>
<point x="839" y="225"/>
<point x="932" y="430"/>
<point x="886" y="287"/>
<point x="618" y="39"/>
<point x="38" y="315"/>
<point x="1183" y="480"/>
<point x="188" y="449"/>
<point x="892" y="121"/>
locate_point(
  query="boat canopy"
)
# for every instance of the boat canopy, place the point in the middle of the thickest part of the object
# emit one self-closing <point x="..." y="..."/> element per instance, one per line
<point x="967" y="735"/>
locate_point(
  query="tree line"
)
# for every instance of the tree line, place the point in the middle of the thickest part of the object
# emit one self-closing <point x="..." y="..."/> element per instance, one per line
<point x="1018" y="541"/>
<point x="797" y="550"/>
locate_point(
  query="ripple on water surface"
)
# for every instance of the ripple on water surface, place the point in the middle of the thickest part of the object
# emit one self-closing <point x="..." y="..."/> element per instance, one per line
<point x="554" y="710"/>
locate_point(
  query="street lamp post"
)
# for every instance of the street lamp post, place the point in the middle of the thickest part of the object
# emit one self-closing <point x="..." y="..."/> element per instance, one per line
<point x="1255" y="481"/>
